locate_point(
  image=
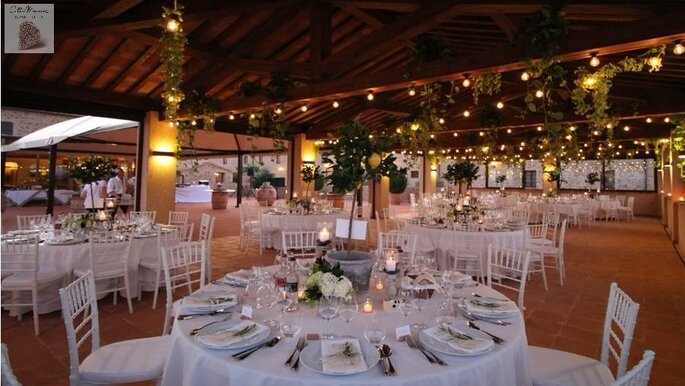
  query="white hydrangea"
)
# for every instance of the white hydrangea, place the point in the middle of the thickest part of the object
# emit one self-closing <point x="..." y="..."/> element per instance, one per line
<point x="327" y="284"/>
<point x="343" y="287"/>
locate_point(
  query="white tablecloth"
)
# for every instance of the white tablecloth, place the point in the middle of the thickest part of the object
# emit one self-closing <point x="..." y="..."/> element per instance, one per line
<point x="440" y="241"/>
<point x="194" y="193"/>
<point x="190" y="364"/>
<point x="66" y="258"/>
<point x="273" y="224"/>
<point x="22" y="197"/>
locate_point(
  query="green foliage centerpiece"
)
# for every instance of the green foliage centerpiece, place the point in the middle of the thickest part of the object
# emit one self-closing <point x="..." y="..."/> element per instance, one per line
<point x="326" y="280"/>
<point x="460" y="173"/>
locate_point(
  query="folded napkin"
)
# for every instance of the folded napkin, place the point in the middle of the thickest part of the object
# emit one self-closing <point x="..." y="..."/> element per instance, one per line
<point x="231" y="336"/>
<point x="460" y="278"/>
<point x="243" y="275"/>
<point x="342" y="356"/>
<point x="423" y="281"/>
<point x="208" y="301"/>
<point x="458" y="339"/>
<point x="486" y="305"/>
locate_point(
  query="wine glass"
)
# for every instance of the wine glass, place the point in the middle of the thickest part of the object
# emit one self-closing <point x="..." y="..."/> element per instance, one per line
<point x="328" y="309"/>
<point x="374" y="331"/>
<point x="445" y="314"/>
<point x="348" y="310"/>
<point x="291" y="324"/>
<point x="420" y="299"/>
<point x="406" y="307"/>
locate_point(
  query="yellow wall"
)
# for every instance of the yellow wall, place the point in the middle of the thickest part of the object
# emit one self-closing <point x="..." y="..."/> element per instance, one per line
<point x="158" y="182"/>
<point x="305" y="150"/>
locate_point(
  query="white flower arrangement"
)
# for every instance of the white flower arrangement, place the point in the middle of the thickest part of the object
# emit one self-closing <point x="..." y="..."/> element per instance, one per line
<point x="328" y="285"/>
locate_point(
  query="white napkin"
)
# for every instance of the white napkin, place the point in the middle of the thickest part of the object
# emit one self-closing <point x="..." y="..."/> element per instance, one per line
<point x="335" y="360"/>
<point x="460" y="278"/>
<point x="243" y="275"/>
<point x="423" y="281"/>
<point x="209" y="301"/>
<point x="448" y="334"/>
<point x="485" y="305"/>
<point x="227" y="338"/>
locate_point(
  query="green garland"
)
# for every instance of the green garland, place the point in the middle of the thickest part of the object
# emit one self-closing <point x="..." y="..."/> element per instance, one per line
<point x="173" y="45"/>
<point x="487" y="84"/>
<point x="596" y="85"/>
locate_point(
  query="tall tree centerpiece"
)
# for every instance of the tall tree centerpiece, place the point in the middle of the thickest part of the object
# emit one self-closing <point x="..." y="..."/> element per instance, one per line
<point x="461" y="173"/>
<point x="90" y="169"/>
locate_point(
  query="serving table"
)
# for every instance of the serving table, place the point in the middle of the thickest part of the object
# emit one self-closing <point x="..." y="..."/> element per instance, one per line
<point x="22" y="197"/>
<point x="192" y="364"/>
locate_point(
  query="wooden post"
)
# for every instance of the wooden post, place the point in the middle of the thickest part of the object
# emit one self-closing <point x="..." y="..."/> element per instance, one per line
<point x="52" y="179"/>
<point x="239" y="186"/>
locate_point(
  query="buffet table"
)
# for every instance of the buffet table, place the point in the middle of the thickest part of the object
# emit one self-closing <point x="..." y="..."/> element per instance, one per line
<point x="22" y="197"/>
<point x="194" y="194"/>
<point x="441" y="241"/>
<point x="189" y="363"/>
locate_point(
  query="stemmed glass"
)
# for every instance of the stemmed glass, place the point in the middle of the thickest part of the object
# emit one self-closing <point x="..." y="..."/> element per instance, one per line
<point x="328" y="309"/>
<point x="420" y="299"/>
<point x="348" y="310"/>
<point x="267" y="297"/>
<point x="407" y="307"/>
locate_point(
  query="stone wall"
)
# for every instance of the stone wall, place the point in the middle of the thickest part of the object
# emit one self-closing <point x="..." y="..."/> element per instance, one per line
<point x="27" y="121"/>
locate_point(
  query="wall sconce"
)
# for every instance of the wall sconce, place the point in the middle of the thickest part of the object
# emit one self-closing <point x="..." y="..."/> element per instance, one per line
<point x="307" y="162"/>
<point x="164" y="153"/>
<point x="434" y="168"/>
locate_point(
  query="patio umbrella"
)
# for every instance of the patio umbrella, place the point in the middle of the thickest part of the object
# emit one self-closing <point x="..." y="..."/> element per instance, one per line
<point x="72" y="128"/>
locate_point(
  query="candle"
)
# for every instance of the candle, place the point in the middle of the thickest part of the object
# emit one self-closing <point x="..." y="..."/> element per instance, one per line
<point x="295" y="195"/>
<point x="379" y="285"/>
<point x="102" y="215"/>
<point x="390" y="264"/>
<point x="368" y="307"/>
<point x="324" y="235"/>
<point x="597" y="190"/>
<point x="110" y="203"/>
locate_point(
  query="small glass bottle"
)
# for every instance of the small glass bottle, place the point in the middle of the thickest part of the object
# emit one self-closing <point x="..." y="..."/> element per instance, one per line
<point x="292" y="279"/>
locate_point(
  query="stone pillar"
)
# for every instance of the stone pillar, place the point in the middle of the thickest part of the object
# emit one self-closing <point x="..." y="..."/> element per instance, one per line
<point x="304" y="152"/>
<point x="429" y="177"/>
<point x="379" y="196"/>
<point x="158" y="185"/>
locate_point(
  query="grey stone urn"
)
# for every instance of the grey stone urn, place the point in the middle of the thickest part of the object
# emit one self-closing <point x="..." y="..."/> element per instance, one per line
<point x="356" y="267"/>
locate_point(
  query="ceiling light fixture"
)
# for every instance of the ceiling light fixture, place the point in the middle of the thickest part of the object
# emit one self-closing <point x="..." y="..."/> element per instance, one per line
<point x="525" y="76"/>
<point x="594" y="60"/>
<point x="336" y="104"/>
<point x="679" y="48"/>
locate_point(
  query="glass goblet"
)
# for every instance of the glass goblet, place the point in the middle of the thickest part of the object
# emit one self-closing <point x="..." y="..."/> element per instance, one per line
<point x="348" y="311"/>
<point x="328" y="309"/>
<point x="375" y="331"/>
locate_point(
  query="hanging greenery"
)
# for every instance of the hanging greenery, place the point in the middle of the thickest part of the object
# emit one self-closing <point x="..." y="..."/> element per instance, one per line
<point x="426" y="48"/>
<point x="173" y="44"/>
<point x="487" y="84"/>
<point x="591" y="93"/>
<point x="543" y="32"/>
<point x="678" y="133"/>
<point x="491" y="117"/>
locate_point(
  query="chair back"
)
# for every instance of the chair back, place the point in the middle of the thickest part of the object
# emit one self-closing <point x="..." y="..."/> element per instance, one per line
<point x="185" y="231"/>
<point x="631" y="202"/>
<point x="535" y="232"/>
<point x="552" y="221"/>
<point x="299" y="243"/>
<point x="207" y="230"/>
<point x="468" y="245"/>
<point x="109" y="249"/>
<point x="639" y="374"/>
<point x="509" y="264"/>
<point x="8" y="377"/>
<point x="184" y="265"/>
<point x="167" y="236"/>
<point x="178" y="218"/>
<point x="20" y="256"/>
<point x="621" y="200"/>
<point x="397" y="239"/>
<point x="81" y="319"/>
<point x="621" y="313"/>
<point x="33" y="222"/>
<point x="562" y="237"/>
<point x="519" y="216"/>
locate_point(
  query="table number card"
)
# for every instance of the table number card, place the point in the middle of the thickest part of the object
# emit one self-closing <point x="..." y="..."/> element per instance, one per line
<point x="246" y="312"/>
<point x="402" y="332"/>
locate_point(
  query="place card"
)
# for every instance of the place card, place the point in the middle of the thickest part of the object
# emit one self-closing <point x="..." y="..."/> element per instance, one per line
<point x="246" y="312"/>
<point x="402" y="332"/>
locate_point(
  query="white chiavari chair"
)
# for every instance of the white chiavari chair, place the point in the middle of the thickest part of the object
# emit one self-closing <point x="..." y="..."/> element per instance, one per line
<point x="206" y="235"/>
<point x="301" y="244"/>
<point x="555" y="251"/>
<point x="394" y="240"/>
<point x="639" y="374"/>
<point x="7" y="374"/>
<point x="508" y="268"/>
<point x="467" y="250"/>
<point x="139" y="215"/>
<point x="184" y="265"/>
<point x="628" y="208"/>
<point x="178" y="218"/>
<point x="166" y="237"/>
<point x="33" y="222"/>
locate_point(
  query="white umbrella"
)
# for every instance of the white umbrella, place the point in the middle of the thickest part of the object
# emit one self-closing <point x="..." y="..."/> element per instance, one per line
<point x="72" y="128"/>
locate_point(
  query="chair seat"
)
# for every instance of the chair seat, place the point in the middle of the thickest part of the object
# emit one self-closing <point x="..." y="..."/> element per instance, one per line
<point x="555" y="368"/>
<point x="152" y="265"/>
<point x="128" y="361"/>
<point x="103" y="272"/>
<point x="24" y="279"/>
<point x="540" y="241"/>
<point x="546" y="250"/>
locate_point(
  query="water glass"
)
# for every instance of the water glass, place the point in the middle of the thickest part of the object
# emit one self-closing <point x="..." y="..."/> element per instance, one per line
<point x="291" y="324"/>
<point x="445" y="314"/>
<point x="374" y="331"/>
<point x="328" y="309"/>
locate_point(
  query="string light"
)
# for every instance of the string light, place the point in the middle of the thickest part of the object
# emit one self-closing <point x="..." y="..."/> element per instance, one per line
<point x="539" y="128"/>
<point x="369" y="96"/>
<point x="648" y="120"/>
<point x="626" y="128"/>
<point x="304" y="108"/>
<point x="654" y="62"/>
<point x="442" y="121"/>
<point x="572" y="128"/>
<point x="193" y="122"/>
<point x="455" y="134"/>
<point x="336" y="104"/>
<point x="231" y="117"/>
<point x="252" y="116"/>
<point x="594" y="60"/>
<point x="539" y="94"/>
<point x="500" y="105"/>
<point x="525" y="76"/>
<point x="466" y="113"/>
<point x="278" y="110"/>
<point x="667" y="119"/>
<point x="412" y="91"/>
<point x="482" y="133"/>
<point x="466" y="82"/>
<point x="508" y="131"/>
<point x="679" y="48"/>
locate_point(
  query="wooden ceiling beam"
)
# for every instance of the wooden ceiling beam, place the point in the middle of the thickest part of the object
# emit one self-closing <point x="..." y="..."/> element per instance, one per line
<point x="104" y="65"/>
<point x="140" y="59"/>
<point x="116" y="8"/>
<point x="360" y="14"/>
<point x="407" y="27"/>
<point x="320" y="37"/>
<point x="647" y="33"/>
<point x="505" y="24"/>
<point x="149" y="15"/>
<point x="78" y="59"/>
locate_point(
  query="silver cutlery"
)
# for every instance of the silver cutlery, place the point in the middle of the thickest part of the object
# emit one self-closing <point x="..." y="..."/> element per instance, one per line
<point x="194" y="331"/>
<point x="386" y="352"/>
<point x="384" y="367"/>
<point x="298" y="347"/>
<point x="411" y="344"/>
<point x="488" y="297"/>
<point x="495" y="338"/>
<point x="424" y="350"/>
<point x="296" y="364"/>
<point x="246" y="353"/>
<point x="213" y="313"/>
<point x="469" y="316"/>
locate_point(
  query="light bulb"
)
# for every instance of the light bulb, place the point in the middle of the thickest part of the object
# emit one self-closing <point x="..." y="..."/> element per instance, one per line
<point x="539" y="128"/>
<point x="626" y="128"/>
<point x="508" y="131"/>
<point x="482" y="133"/>
<point x="231" y="117"/>
<point x="572" y="128"/>
<point x="369" y="96"/>
<point x="539" y="94"/>
<point x="466" y="82"/>
<point x="596" y="132"/>
<point x="412" y="92"/>
<point x="589" y="82"/>
<point x="648" y="120"/>
<point x="193" y="122"/>
<point x="594" y="60"/>
<point x="172" y="25"/>
<point x="278" y="110"/>
<point x="442" y="121"/>
<point x="667" y="119"/>
<point x="679" y="49"/>
<point x="336" y="104"/>
<point x="525" y="76"/>
<point x="304" y="108"/>
<point x="455" y="134"/>
<point x="654" y="62"/>
<point x="252" y="116"/>
<point x="466" y="113"/>
<point x="500" y="105"/>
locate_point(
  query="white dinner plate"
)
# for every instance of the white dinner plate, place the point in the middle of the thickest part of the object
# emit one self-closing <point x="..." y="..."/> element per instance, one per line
<point x="254" y="340"/>
<point x="508" y="312"/>
<point x="63" y="242"/>
<point x="200" y="302"/>
<point x="311" y="358"/>
<point x="445" y="348"/>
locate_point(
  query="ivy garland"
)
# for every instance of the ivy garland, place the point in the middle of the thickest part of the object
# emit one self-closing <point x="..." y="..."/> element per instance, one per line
<point x="173" y="45"/>
<point x="596" y="86"/>
<point x="678" y="133"/>
<point x="487" y="84"/>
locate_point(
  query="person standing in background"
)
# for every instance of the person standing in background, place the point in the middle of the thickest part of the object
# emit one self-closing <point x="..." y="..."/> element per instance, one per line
<point x="98" y="191"/>
<point x="116" y="187"/>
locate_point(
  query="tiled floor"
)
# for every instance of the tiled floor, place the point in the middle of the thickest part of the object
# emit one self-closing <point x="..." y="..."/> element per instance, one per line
<point x="638" y="255"/>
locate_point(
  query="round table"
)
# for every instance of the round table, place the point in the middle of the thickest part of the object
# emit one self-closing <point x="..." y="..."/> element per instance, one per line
<point x="191" y="364"/>
<point x="441" y="241"/>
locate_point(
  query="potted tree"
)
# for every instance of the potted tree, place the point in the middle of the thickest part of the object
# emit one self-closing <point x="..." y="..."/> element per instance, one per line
<point x="591" y="179"/>
<point x="398" y="184"/>
<point x="461" y="173"/>
<point x="309" y="174"/>
<point x="355" y="158"/>
<point x="90" y="169"/>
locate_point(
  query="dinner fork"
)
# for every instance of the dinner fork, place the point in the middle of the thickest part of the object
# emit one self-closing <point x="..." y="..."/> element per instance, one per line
<point x="194" y="331"/>
<point x="473" y="318"/>
<point x="424" y="350"/>
<point x="495" y="338"/>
